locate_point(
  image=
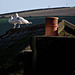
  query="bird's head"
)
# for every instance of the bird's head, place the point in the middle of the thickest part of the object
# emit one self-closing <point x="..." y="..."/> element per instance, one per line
<point x="16" y="14"/>
<point x="10" y="17"/>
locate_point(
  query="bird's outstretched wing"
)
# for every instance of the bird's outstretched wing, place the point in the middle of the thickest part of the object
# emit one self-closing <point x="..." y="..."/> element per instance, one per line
<point x="22" y="20"/>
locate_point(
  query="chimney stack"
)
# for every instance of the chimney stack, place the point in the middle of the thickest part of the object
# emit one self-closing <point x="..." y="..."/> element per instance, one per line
<point x="51" y="28"/>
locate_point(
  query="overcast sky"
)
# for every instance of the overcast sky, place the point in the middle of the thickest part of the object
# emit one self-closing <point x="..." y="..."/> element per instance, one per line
<point x="7" y="6"/>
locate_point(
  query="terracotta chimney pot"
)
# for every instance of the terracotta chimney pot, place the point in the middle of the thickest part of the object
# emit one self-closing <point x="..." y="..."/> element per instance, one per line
<point x="51" y="28"/>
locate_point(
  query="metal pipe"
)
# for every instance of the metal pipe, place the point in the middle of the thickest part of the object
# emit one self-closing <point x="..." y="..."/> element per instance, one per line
<point x="51" y="28"/>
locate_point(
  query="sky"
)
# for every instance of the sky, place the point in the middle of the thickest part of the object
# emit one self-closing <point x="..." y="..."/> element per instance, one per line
<point x="7" y="6"/>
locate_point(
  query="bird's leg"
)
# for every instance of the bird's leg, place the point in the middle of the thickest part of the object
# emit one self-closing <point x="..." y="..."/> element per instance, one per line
<point x="14" y="26"/>
<point x="18" y="25"/>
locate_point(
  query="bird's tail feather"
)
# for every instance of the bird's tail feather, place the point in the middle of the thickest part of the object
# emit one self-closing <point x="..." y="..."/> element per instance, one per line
<point x="30" y="22"/>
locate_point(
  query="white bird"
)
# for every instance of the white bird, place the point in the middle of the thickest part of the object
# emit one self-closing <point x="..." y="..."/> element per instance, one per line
<point x="12" y="21"/>
<point x="20" y="20"/>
